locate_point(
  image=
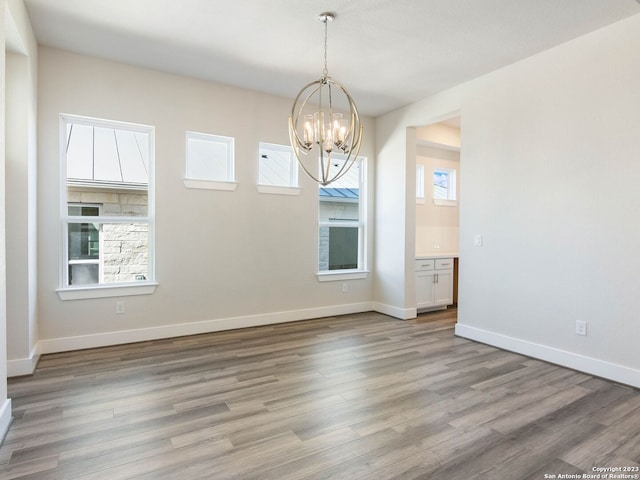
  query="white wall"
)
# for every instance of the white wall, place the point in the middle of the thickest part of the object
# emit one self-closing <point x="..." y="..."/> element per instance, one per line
<point x="21" y="175"/>
<point x="226" y="259"/>
<point x="440" y="135"/>
<point x="5" y="403"/>
<point x="551" y="173"/>
<point x="550" y="177"/>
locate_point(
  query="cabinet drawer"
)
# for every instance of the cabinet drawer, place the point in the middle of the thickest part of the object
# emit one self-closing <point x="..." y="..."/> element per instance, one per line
<point x="444" y="263"/>
<point x="426" y="264"/>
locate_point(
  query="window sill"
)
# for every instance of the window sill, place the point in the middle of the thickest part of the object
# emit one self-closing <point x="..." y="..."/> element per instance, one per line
<point x="445" y="203"/>
<point x="105" y="291"/>
<point x="420" y="200"/>
<point x="210" y="185"/>
<point x="279" y="190"/>
<point x="342" y="275"/>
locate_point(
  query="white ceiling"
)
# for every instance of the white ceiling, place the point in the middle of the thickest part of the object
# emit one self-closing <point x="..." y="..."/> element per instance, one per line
<point x="387" y="53"/>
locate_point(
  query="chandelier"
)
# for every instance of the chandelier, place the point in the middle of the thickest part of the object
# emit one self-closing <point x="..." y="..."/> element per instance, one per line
<point x="318" y="130"/>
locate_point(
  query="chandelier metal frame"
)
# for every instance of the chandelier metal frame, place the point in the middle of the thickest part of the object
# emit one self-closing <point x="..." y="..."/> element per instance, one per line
<point x="325" y="130"/>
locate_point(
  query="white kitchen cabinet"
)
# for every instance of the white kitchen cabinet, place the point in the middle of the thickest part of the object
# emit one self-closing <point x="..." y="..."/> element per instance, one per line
<point x="434" y="283"/>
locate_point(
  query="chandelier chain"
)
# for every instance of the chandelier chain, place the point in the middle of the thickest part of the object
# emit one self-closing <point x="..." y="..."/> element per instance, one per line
<point x="325" y="72"/>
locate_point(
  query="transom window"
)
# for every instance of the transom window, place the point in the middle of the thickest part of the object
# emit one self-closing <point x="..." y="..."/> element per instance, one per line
<point x="210" y="161"/>
<point x="277" y="166"/>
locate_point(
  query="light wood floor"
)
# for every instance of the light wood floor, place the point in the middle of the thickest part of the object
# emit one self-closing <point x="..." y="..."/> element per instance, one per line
<point x="357" y="397"/>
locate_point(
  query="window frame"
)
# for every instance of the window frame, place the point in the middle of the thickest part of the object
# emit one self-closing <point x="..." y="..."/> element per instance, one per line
<point x="228" y="184"/>
<point x="361" y="271"/>
<point x="420" y="177"/>
<point x="101" y="290"/>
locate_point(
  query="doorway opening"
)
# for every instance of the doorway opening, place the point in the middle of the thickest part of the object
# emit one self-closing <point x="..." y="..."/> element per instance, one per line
<point x="438" y="196"/>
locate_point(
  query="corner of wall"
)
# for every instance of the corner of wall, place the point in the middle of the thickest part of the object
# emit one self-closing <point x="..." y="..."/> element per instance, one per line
<point x="20" y="367"/>
<point x="396" y="312"/>
<point x="5" y="418"/>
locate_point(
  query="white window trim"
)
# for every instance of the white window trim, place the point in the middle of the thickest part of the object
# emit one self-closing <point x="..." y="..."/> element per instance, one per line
<point x="341" y="223"/>
<point x="445" y="203"/>
<point x="210" y="185"/>
<point x="143" y="287"/>
<point x="278" y="190"/>
<point x="362" y="271"/>
<point x="342" y="275"/>
<point x="105" y="291"/>
<point x="420" y="197"/>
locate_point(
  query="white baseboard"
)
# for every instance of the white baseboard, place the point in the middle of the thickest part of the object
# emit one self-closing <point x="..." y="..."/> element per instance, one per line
<point x="592" y="366"/>
<point x="5" y="418"/>
<point x="23" y="366"/>
<point x="396" y="312"/>
<point x="194" y="328"/>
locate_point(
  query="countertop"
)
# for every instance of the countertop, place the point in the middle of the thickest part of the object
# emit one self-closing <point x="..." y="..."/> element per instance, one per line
<point x="423" y="255"/>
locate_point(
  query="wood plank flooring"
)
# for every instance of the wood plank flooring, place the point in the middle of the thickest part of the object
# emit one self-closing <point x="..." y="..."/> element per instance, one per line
<point x="356" y="397"/>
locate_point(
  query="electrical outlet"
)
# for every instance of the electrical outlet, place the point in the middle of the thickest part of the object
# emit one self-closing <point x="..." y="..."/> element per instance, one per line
<point x="581" y="327"/>
<point x="119" y="307"/>
<point x="345" y="287"/>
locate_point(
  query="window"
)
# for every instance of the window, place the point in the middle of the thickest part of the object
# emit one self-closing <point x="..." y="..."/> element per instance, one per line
<point x="277" y="169"/>
<point x="444" y="186"/>
<point x="84" y="246"/>
<point x="107" y="204"/>
<point x="419" y="183"/>
<point x="210" y="161"/>
<point x="341" y="220"/>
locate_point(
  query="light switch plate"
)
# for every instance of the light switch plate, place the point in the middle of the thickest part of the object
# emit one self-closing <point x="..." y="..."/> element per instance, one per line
<point x="477" y="240"/>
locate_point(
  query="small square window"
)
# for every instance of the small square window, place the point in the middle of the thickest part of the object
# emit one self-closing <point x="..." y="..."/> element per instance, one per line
<point x="277" y="166"/>
<point x="444" y="185"/>
<point x="209" y="158"/>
